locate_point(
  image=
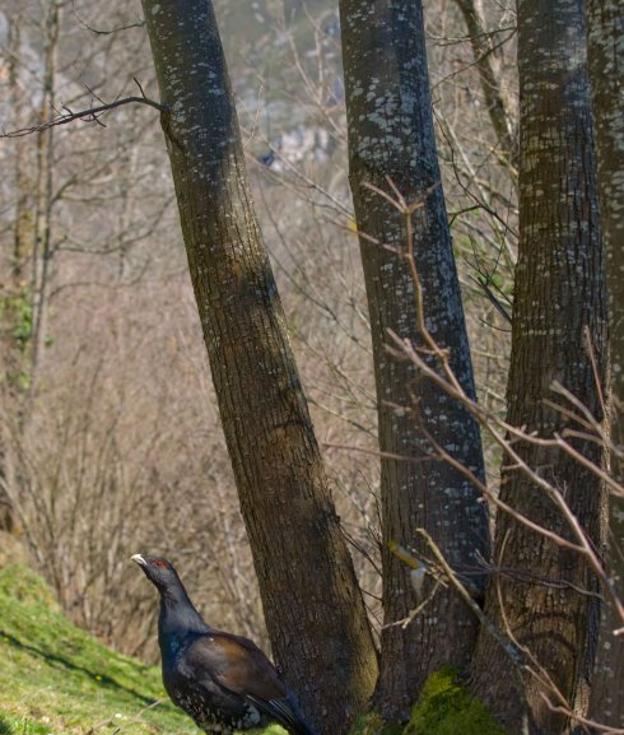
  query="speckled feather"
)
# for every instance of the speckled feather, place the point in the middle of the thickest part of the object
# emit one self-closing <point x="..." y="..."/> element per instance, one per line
<point x="223" y="681"/>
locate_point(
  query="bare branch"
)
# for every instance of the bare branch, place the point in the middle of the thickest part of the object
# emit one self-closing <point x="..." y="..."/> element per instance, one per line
<point x="90" y="115"/>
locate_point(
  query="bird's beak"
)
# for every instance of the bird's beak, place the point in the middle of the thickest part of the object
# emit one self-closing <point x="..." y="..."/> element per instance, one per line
<point x="138" y="559"/>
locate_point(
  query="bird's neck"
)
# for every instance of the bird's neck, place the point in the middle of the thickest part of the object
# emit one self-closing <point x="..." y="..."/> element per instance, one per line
<point x="178" y="615"/>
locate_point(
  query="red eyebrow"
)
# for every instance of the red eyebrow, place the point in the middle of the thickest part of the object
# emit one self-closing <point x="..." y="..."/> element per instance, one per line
<point x="160" y="563"/>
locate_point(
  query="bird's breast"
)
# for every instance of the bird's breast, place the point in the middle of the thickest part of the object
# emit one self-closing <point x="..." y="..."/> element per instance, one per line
<point x="212" y="718"/>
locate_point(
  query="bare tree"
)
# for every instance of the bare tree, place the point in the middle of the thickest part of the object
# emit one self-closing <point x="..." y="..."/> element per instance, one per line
<point x="322" y="637"/>
<point x="392" y="149"/>
<point x="484" y="47"/>
<point x="605" y="20"/>
<point x="44" y="185"/>
<point x="558" y="338"/>
<point x="15" y="312"/>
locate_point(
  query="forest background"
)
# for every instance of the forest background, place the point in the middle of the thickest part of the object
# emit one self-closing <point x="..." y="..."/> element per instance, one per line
<point x="123" y="446"/>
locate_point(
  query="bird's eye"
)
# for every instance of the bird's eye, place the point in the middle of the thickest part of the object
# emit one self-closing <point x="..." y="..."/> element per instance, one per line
<point x="160" y="563"/>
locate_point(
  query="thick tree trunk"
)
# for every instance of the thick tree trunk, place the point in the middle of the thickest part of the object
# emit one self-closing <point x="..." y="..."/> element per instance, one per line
<point x="391" y="135"/>
<point x="313" y="606"/>
<point x="606" y="69"/>
<point x="559" y="297"/>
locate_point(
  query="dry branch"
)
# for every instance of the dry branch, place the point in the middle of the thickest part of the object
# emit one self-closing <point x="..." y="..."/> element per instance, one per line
<point x="90" y="115"/>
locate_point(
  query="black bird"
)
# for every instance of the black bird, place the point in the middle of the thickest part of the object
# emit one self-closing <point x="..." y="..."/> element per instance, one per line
<point x="223" y="681"/>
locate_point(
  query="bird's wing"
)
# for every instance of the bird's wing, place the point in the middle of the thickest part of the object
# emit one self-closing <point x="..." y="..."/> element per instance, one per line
<point x="239" y="666"/>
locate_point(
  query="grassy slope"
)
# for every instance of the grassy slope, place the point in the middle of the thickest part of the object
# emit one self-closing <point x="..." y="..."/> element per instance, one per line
<point x="56" y="678"/>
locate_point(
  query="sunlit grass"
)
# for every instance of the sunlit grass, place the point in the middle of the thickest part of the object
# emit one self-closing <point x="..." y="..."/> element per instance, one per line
<point x="56" y="678"/>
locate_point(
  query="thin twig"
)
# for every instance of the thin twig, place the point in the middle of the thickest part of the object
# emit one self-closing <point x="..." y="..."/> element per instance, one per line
<point x="90" y="115"/>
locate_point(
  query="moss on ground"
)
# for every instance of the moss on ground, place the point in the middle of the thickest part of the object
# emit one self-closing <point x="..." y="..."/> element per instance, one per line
<point x="56" y="678"/>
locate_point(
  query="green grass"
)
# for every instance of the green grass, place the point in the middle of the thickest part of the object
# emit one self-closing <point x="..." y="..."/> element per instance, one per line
<point x="56" y="678"/>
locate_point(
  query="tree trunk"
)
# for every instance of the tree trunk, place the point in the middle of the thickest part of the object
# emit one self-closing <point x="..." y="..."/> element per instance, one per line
<point x="15" y="322"/>
<point x="42" y="257"/>
<point x="314" y="610"/>
<point x="391" y="136"/>
<point x="606" y="68"/>
<point x="559" y="298"/>
<point x="496" y="99"/>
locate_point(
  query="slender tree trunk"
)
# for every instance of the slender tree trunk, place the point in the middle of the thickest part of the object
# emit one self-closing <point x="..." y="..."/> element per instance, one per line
<point x="313" y="606"/>
<point x="23" y="233"/>
<point x="391" y="136"/>
<point x="42" y="253"/>
<point x="14" y="326"/>
<point x="496" y="99"/>
<point x="606" y="68"/>
<point x="559" y="298"/>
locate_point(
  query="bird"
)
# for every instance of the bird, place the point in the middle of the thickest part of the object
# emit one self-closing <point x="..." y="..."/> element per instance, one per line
<point x="223" y="681"/>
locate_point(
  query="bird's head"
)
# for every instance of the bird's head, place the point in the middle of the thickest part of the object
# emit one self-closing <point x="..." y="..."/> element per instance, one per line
<point x="177" y="612"/>
<point x="159" y="571"/>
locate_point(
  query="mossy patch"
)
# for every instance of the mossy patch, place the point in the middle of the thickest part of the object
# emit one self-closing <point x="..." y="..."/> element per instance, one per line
<point x="443" y="708"/>
<point x="446" y="708"/>
<point x="371" y="723"/>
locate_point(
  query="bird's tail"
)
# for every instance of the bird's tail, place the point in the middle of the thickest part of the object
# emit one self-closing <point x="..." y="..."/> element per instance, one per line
<point x="287" y="713"/>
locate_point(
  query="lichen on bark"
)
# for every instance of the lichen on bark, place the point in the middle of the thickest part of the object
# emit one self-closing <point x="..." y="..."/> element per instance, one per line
<point x="559" y="328"/>
<point x="391" y="138"/>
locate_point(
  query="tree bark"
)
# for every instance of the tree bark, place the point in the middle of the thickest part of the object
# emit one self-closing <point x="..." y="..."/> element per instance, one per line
<point x="559" y="298"/>
<point x="391" y="135"/>
<point x="314" y="610"/>
<point x="605" y="20"/>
